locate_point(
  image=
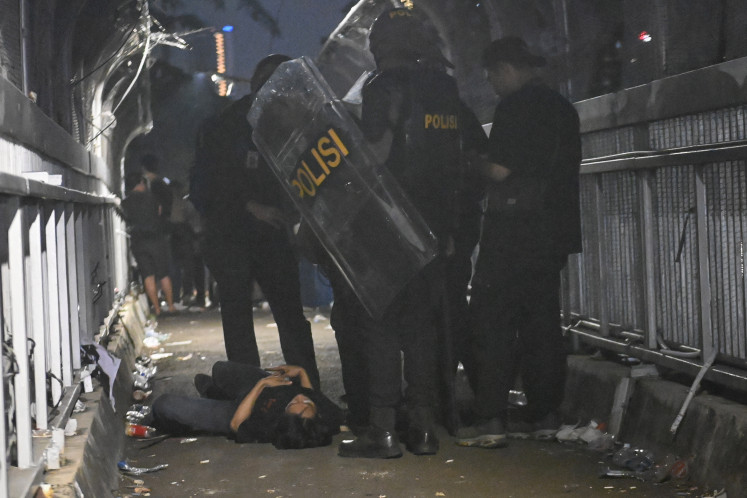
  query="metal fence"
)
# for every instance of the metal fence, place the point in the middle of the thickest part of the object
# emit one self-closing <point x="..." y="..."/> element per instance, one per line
<point x="63" y="257"/>
<point x="664" y="214"/>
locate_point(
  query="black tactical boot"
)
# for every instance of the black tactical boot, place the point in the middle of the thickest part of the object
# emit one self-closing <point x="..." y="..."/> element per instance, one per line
<point x="378" y="441"/>
<point x="374" y="442"/>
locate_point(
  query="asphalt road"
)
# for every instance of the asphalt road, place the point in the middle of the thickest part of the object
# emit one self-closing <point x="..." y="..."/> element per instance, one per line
<point x="215" y="466"/>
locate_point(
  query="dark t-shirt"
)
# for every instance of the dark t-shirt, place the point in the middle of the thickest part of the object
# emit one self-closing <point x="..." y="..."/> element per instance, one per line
<point x="141" y="214"/>
<point x="271" y="403"/>
<point x="228" y="173"/>
<point x="163" y="194"/>
<point x="534" y="214"/>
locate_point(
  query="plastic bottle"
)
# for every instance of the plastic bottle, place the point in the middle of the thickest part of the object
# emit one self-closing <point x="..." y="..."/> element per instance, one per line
<point x="633" y="459"/>
<point x="623" y="456"/>
<point x="137" y="430"/>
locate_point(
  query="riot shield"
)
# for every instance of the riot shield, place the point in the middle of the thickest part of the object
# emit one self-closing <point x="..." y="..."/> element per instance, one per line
<point x="357" y="210"/>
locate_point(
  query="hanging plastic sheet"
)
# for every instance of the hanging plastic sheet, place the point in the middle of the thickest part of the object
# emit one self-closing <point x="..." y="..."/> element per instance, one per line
<point x="353" y="205"/>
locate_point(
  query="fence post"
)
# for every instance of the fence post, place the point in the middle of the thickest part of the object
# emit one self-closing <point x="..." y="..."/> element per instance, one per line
<point x="604" y="314"/>
<point x="37" y="313"/>
<point x="645" y="179"/>
<point x="72" y="296"/>
<point x="55" y="295"/>
<point x="701" y="218"/>
<point x="18" y="321"/>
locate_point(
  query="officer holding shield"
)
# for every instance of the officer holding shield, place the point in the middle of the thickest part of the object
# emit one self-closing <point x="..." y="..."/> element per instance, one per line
<point x="412" y="115"/>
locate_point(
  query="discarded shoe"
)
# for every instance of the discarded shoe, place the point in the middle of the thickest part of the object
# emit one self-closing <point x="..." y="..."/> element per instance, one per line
<point x="421" y="441"/>
<point x="490" y="434"/>
<point x="372" y="443"/>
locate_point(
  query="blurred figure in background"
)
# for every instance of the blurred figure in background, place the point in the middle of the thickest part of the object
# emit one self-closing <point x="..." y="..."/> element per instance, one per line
<point x="148" y="242"/>
<point x="186" y="229"/>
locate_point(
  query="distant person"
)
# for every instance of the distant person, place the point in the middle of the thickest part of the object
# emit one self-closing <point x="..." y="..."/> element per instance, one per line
<point x="247" y="233"/>
<point x="251" y="405"/>
<point x="186" y="229"/>
<point x="148" y="242"/>
<point x="531" y="226"/>
<point x="156" y="184"/>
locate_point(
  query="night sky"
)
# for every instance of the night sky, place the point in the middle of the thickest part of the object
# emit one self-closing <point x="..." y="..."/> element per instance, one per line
<point x="303" y="25"/>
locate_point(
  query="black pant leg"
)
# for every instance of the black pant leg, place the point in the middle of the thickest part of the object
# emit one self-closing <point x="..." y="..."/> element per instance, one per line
<point x="346" y="322"/>
<point x="235" y="379"/>
<point x="276" y="271"/>
<point x="543" y="368"/>
<point x="492" y="317"/>
<point x="382" y="349"/>
<point x="175" y="414"/>
<point x="230" y="266"/>
<point x="420" y="322"/>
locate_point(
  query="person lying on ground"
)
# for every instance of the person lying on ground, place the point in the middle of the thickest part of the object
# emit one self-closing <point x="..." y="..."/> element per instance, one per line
<point x="249" y="404"/>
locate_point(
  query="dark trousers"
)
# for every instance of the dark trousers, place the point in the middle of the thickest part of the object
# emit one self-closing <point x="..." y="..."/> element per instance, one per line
<point x="409" y="327"/>
<point x="347" y="320"/>
<point x="272" y="263"/>
<point x="182" y="251"/>
<point x="458" y="275"/>
<point x="515" y="313"/>
<point x="177" y="414"/>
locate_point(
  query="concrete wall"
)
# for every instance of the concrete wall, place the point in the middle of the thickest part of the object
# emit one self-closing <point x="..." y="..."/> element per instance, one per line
<point x="712" y="437"/>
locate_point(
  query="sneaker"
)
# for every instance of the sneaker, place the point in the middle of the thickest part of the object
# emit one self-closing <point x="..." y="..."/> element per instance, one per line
<point x="490" y="434"/>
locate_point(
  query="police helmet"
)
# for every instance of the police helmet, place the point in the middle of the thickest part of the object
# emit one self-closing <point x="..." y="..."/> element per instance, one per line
<point x="398" y="32"/>
<point x="264" y="70"/>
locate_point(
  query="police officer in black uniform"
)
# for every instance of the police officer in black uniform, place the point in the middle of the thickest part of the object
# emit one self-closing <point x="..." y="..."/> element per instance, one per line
<point x="411" y="114"/>
<point x="246" y="225"/>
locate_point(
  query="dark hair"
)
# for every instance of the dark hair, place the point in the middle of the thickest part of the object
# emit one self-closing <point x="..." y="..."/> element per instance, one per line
<point x="513" y="50"/>
<point x="293" y="432"/>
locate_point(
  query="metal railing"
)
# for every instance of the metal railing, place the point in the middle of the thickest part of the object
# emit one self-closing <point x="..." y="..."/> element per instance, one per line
<point x="664" y="215"/>
<point x="63" y="258"/>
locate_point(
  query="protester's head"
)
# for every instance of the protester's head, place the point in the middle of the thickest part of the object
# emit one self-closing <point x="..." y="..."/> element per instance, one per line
<point x="295" y="432"/>
<point x="149" y="162"/>
<point x="397" y="37"/>
<point x="133" y="180"/>
<point x="302" y="406"/>
<point x="264" y="70"/>
<point x="509" y="63"/>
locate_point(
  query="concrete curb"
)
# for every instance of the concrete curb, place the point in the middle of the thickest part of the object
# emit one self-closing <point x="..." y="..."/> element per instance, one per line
<point x="93" y="454"/>
<point x="712" y="437"/>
